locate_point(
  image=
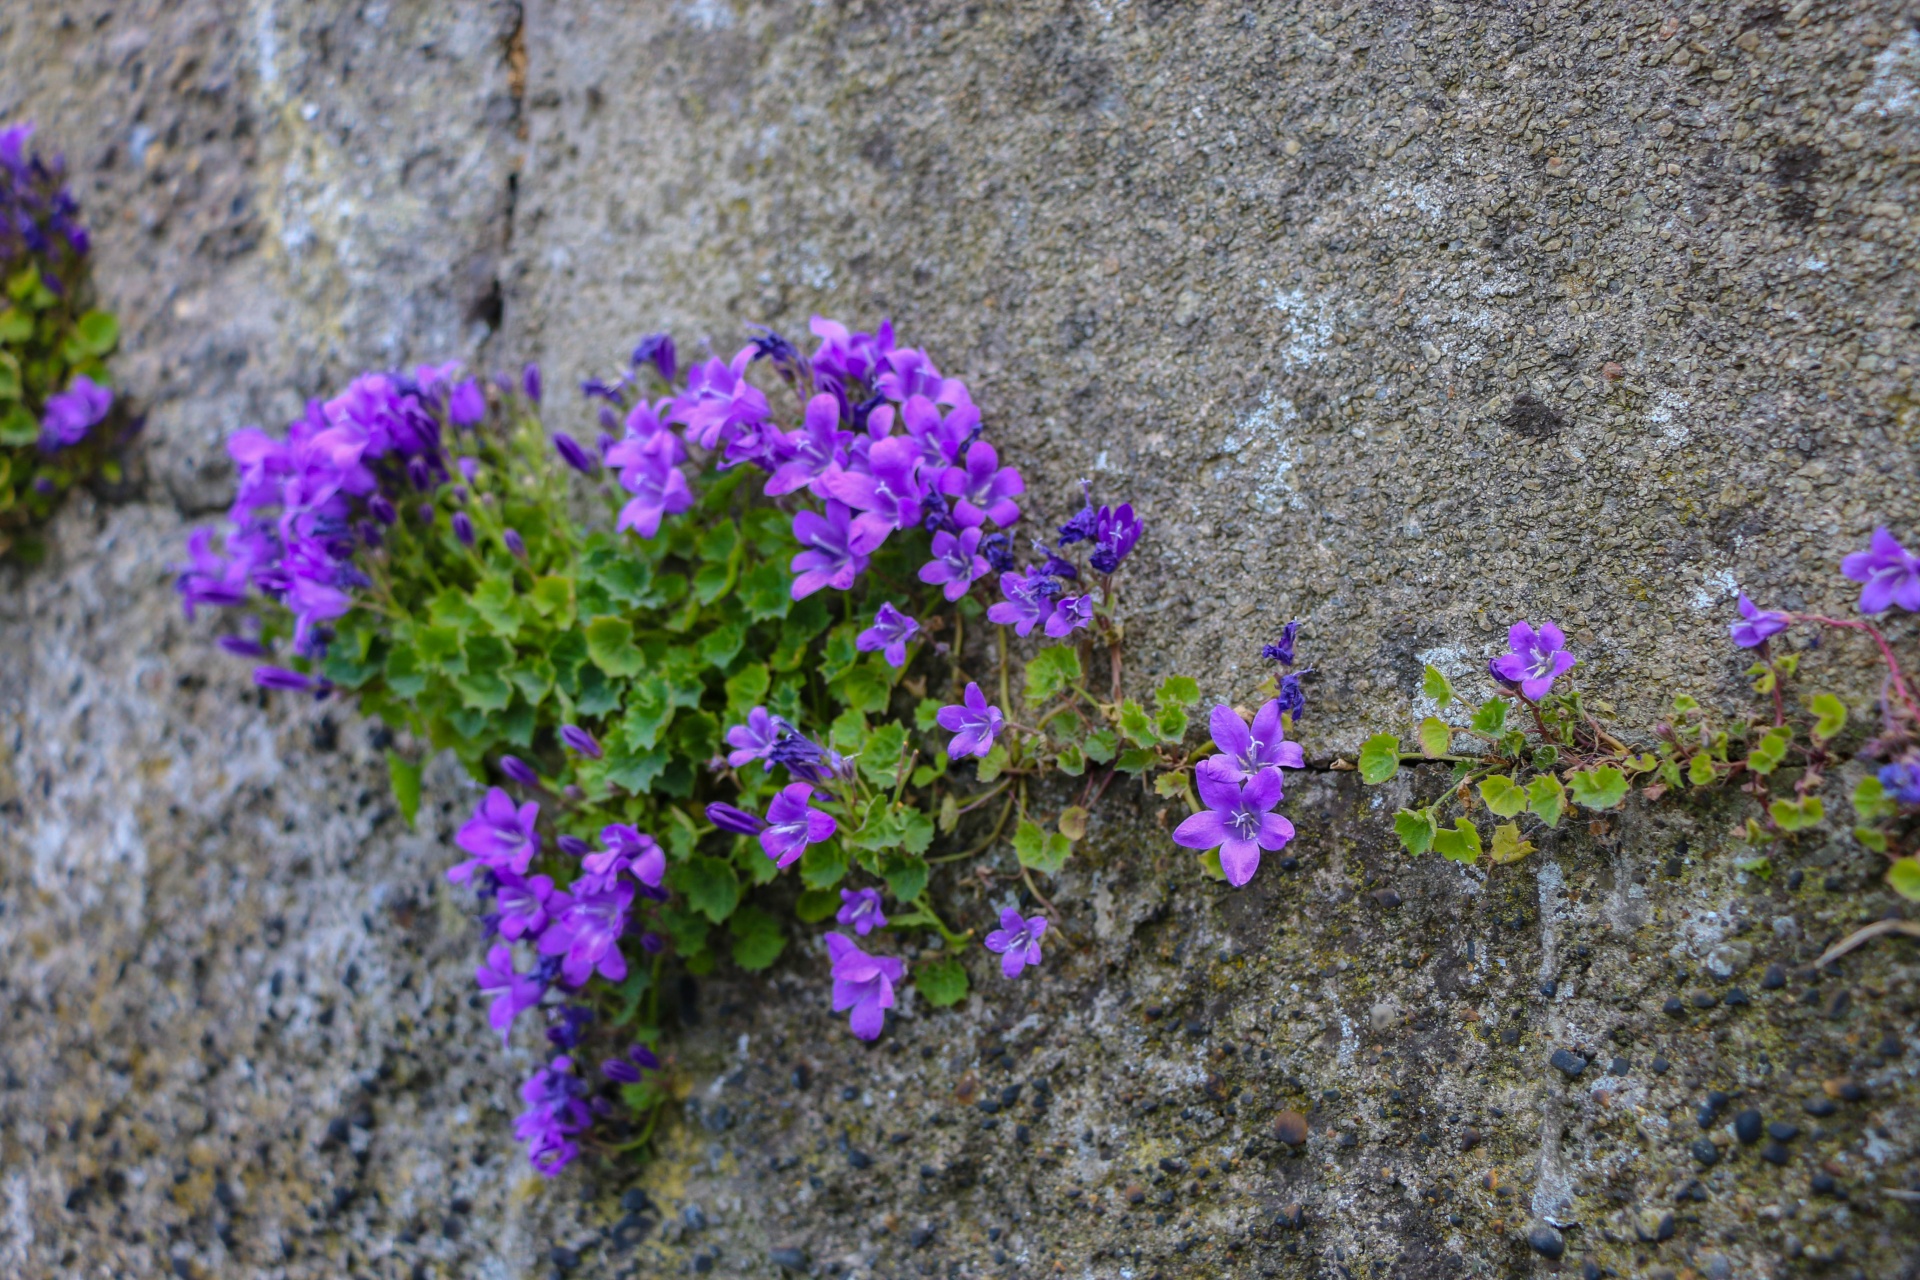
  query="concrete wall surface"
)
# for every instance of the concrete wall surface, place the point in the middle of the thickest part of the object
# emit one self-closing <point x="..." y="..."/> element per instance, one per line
<point x="1403" y="319"/>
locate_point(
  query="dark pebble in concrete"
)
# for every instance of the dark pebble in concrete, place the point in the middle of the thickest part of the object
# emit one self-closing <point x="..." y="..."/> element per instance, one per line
<point x="1774" y="1153"/>
<point x="1738" y="998"/>
<point x="563" y="1259"/>
<point x="1705" y="1152"/>
<point x="1825" y="1184"/>
<point x="1747" y="1127"/>
<point x="1774" y="979"/>
<point x="635" y="1201"/>
<point x="1546" y="1242"/>
<point x="791" y="1259"/>
<point x="1619" y="1067"/>
<point x="1819" y="1106"/>
<point x="1568" y="1063"/>
<point x="1659" y="1066"/>
<point x="1673" y="1008"/>
<point x="1705" y="1000"/>
<point x="1781" y="1131"/>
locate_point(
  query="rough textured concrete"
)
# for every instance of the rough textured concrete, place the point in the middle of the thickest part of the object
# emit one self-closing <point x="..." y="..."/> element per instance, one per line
<point x="1404" y="320"/>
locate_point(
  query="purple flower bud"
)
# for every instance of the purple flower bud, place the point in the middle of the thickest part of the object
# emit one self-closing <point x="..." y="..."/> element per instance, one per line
<point x="578" y="739"/>
<point x="518" y="770"/>
<point x="418" y="476"/>
<point x="469" y="467"/>
<point x="652" y="943"/>
<point x="370" y="534"/>
<point x="574" y="846"/>
<point x="1292" y="700"/>
<point x="43" y="486"/>
<point x="728" y="818"/>
<point x="627" y="1070"/>
<point x="1281" y="650"/>
<point x="463" y="528"/>
<point x="998" y="550"/>
<point x="242" y="647"/>
<point x="281" y="678"/>
<point x="515" y="543"/>
<point x="572" y="454"/>
<point x="608" y="419"/>
<point x="426" y="513"/>
<point x="382" y="510"/>
<point x="569" y="1026"/>
<point x="530" y="382"/>
<point x="467" y="405"/>
<point x="657" y="349"/>
<point x="605" y="444"/>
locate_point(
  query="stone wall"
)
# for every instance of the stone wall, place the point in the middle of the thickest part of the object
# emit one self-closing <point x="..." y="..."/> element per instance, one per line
<point x="1406" y="320"/>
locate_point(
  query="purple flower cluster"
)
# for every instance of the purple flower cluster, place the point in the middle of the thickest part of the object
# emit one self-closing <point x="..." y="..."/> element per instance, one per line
<point x="1534" y="661"/>
<point x="70" y="414"/>
<point x="348" y="468"/>
<point x="1239" y="789"/>
<point x="1038" y="596"/>
<point x="1292" y="699"/>
<point x="576" y="932"/>
<point x="38" y="215"/>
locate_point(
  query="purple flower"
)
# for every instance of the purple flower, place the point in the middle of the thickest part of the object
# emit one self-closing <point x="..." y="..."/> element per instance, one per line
<point x="627" y="849"/>
<point x="804" y="758"/>
<point x="830" y="559"/>
<point x="554" y="1114"/>
<point x="648" y="472"/>
<point x="513" y="993"/>
<point x="1029" y="600"/>
<point x="638" y="1059"/>
<point x="242" y="646"/>
<point x="1293" y="702"/>
<point x="907" y="372"/>
<point x="500" y="836"/>
<point x="792" y="824"/>
<point x="568" y="1025"/>
<point x="1281" y="650"/>
<point x="574" y="454"/>
<point x="657" y="349"/>
<point x="1757" y="625"/>
<point x="983" y="488"/>
<point x="530" y="382"/>
<point x="586" y="932"/>
<point x="845" y="359"/>
<point x="1114" y="533"/>
<point x="861" y="909"/>
<point x="281" y="678"/>
<point x="1085" y="522"/>
<point x="728" y="818"/>
<point x="887" y="495"/>
<point x="579" y="740"/>
<point x="939" y="440"/>
<point x="574" y="846"/>
<point x="652" y="943"/>
<point x="1248" y="751"/>
<point x="719" y="402"/>
<point x="73" y="412"/>
<point x="1891" y="575"/>
<point x="810" y="454"/>
<point x="517" y="770"/>
<point x="889" y="633"/>
<point x="1070" y="613"/>
<point x="1238" y="820"/>
<point x="998" y="549"/>
<point x="463" y="528"/>
<point x="972" y="722"/>
<point x="1017" y="941"/>
<point x="209" y="577"/>
<point x="756" y="739"/>
<point x="515" y="544"/>
<point x="1538" y="658"/>
<point x="467" y="405"/>
<point x="521" y="903"/>
<point x="1901" y="779"/>
<point x="956" y="563"/>
<point x="862" y="983"/>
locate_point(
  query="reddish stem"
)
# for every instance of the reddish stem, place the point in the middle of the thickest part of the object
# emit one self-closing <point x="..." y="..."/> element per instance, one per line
<point x="1779" y="703"/>
<point x="1886" y="652"/>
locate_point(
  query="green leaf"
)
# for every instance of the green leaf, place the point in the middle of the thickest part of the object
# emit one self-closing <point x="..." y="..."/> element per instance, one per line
<point x="9" y="376"/>
<point x="711" y="885"/>
<point x="688" y="929"/>
<point x="883" y="753"/>
<point x="1073" y="822"/>
<point x="635" y="771"/>
<point x="1170" y="723"/>
<point x="765" y="591"/>
<point x="552" y="597"/>
<point x="720" y="646"/>
<point x="439" y="648"/>
<point x="18" y="427"/>
<point x="649" y="711"/>
<point x="98" y="332"/>
<point x="484" y="690"/>
<point x="1415" y="827"/>
<point x="757" y="938"/>
<point x="1502" y="796"/>
<point x="1768" y="754"/>
<point x="610" y="645"/>
<point x="719" y="550"/>
<point x="1135" y="725"/>
<point x="1832" y="715"/>
<point x="1547" y="799"/>
<point x="1436" y="737"/>
<point x="746" y="689"/>
<point x="1492" y="718"/>
<point x="866" y="686"/>
<point x="1071" y="761"/>
<point x="404" y="774"/>
<point x="1870" y="800"/>
<point x="1040" y="850"/>
<point x="1599" y="788"/>
<point x="941" y="983"/>
<point x="1434" y="683"/>
<point x="1460" y="844"/>
<point x="403" y="674"/>
<point x="994" y="763"/>
<point x="823" y="865"/>
<point x="532" y="675"/>
<point x="1683" y="703"/>
<point x="1176" y="691"/>
<point x="816" y="905"/>
<point x="15" y="326"/>
<point x="926" y="715"/>
<point x="905" y="874"/>
<point x="1507" y="844"/>
<point x="1051" y="672"/>
<point x="1379" y="758"/>
<point x="1797" y="815"/>
<point x="1100" y="745"/>
<point x="1700" y="770"/>
<point x="1874" y="840"/>
<point x="1904" y="875"/>
<point x="498" y="607"/>
<point x="1135" y="760"/>
<point x="1764" y="678"/>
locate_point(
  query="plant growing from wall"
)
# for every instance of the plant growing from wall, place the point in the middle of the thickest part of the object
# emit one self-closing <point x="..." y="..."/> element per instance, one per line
<point x="738" y="640"/>
<point x="54" y="386"/>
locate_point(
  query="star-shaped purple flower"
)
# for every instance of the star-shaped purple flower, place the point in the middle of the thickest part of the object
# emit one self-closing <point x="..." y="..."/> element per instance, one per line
<point x="889" y="633"/>
<point x="1017" y="941"/>
<point x="1756" y="625"/>
<point x="1889" y="574"/>
<point x="512" y="993"/>
<point x="755" y="739"/>
<point x="973" y="722"/>
<point x="811" y="452"/>
<point x="956" y="563"/>
<point x="521" y="903"/>
<point x="1238" y="820"/>
<point x="1538" y="658"/>
<point x="863" y="984"/>
<point x="983" y="489"/>
<point x="586" y="934"/>
<point x="887" y="494"/>
<point x="793" y="824"/>
<point x="500" y="836"/>
<point x="627" y="849"/>
<point x="829" y="559"/>
<point x="1070" y="613"/>
<point x="1901" y="779"/>
<point x="1245" y="751"/>
<point x="72" y="413"/>
<point x="1029" y="600"/>
<point x="860" y="908"/>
